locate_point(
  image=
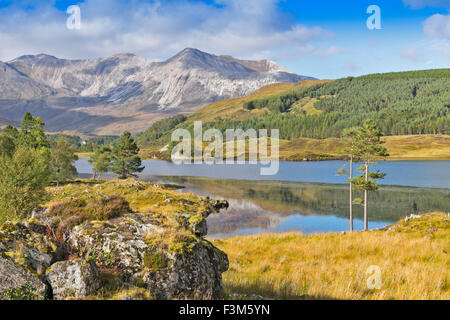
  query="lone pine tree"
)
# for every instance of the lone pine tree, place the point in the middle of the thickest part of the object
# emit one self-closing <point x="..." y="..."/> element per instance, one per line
<point x="350" y="139"/>
<point x="368" y="147"/>
<point x="125" y="160"/>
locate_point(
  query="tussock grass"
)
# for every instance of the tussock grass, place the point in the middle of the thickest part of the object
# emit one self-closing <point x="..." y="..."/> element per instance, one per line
<point x="413" y="257"/>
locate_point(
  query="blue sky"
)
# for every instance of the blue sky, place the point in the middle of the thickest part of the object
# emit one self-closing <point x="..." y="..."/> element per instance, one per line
<point x="324" y="39"/>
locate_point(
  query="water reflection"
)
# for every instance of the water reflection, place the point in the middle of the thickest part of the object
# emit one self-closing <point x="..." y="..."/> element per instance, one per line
<point x="275" y="206"/>
<point x="429" y="174"/>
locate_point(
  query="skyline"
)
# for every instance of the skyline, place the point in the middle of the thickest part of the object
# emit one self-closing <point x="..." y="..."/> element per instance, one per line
<point x="323" y="39"/>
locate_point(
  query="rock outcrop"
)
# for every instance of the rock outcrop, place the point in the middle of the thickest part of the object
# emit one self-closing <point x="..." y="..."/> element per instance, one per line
<point x="169" y="263"/>
<point x="131" y="255"/>
<point x="18" y="283"/>
<point x="25" y="254"/>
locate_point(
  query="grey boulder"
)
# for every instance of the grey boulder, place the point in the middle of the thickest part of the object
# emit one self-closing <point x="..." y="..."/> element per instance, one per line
<point x="73" y="279"/>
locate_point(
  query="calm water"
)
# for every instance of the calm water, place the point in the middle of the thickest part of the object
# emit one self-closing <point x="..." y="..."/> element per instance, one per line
<point x="304" y="196"/>
<point x="430" y="174"/>
<point x="280" y="206"/>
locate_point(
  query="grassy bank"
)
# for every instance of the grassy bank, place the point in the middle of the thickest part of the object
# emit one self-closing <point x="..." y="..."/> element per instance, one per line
<point x="406" y="147"/>
<point x="413" y="257"/>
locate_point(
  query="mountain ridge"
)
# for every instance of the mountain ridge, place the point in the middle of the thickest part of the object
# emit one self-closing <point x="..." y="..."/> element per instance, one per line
<point x="124" y="91"/>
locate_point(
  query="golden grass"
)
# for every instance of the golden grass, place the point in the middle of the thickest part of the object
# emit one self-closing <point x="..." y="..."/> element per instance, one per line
<point x="418" y="147"/>
<point x="407" y="147"/>
<point x="309" y="148"/>
<point x="414" y="262"/>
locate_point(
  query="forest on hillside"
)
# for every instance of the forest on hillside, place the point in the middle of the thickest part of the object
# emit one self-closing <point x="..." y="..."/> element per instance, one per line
<point x="415" y="102"/>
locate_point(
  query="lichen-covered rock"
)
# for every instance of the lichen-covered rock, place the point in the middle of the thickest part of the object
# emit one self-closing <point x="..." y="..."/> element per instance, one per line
<point x="170" y="262"/>
<point x="198" y="225"/>
<point x="73" y="279"/>
<point x="18" y="283"/>
<point x="26" y="247"/>
<point x="118" y="243"/>
<point x="193" y="274"/>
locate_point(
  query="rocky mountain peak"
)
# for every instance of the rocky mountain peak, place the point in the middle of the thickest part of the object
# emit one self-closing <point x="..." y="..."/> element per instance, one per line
<point x="95" y="95"/>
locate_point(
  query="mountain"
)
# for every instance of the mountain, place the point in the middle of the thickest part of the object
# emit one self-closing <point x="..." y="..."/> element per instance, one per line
<point x="5" y="122"/>
<point x="124" y="91"/>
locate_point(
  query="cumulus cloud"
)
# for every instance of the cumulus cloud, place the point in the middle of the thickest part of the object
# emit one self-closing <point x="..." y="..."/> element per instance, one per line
<point x="419" y="4"/>
<point x="437" y="26"/>
<point x="249" y="29"/>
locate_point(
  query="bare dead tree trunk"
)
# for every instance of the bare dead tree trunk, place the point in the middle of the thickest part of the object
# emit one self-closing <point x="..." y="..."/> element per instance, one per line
<point x="366" y="222"/>
<point x="351" y="194"/>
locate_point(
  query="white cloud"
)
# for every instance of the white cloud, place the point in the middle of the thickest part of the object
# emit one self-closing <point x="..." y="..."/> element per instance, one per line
<point x="156" y="30"/>
<point x="437" y="26"/>
<point x="419" y="4"/>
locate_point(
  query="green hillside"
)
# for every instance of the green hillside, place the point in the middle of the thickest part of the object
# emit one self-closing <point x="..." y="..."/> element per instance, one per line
<point x="403" y="103"/>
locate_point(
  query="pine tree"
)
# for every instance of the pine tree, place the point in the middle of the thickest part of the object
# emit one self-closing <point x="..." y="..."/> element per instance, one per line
<point x="62" y="158"/>
<point x="7" y="145"/>
<point x="125" y="160"/>
<point x="32" y="132"/>
<point x="350" y="140"/>
<point x="368" y="145"/>
<point x="24" y="169"/>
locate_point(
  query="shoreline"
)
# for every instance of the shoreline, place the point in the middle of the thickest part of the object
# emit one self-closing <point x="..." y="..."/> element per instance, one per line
<point x="88" y="176"/>
<point x="87" y="156"/>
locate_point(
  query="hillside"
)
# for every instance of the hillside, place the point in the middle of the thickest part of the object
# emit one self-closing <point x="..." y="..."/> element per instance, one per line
<point x="124" y="91"/>
<point x="312" y="114"/>
<point x="159" y="133"/>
